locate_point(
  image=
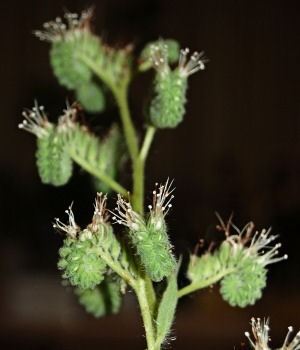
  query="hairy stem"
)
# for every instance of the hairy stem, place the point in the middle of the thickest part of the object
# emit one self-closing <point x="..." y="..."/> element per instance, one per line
<point x="115" y="266"/>
<point x="145" y="307"/>
<point x="203" y="284"/>
<point x="129" y="130"/>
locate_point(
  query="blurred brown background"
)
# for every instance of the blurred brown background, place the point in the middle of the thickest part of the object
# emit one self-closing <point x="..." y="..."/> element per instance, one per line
<point x="237" y="150"/>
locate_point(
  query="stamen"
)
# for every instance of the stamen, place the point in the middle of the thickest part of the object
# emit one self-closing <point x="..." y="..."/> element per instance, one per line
<point x="194" y="64"/>
<point x="71" y="228"/>
<point x="36" y="121"/>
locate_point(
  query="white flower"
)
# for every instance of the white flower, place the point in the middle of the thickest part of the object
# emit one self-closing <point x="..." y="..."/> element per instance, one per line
<point x="72" y="228"/>
<point x="125" y="215"/>
<point x="100" y="214"/>
<point x="259" y="246"/>
<point x="60" y="29"/>
<point x="36" y="121"/>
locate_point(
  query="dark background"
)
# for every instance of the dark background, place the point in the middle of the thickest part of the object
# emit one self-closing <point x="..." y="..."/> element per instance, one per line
<point x="237" y="150"/>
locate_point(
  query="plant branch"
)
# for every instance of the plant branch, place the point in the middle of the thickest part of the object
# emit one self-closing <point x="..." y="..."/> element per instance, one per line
<point x="147" y="142"/>
<point x="115" y="266"/>
<point x="139" y="170"/>
<point x="129" y="130"/>
<point x="203" y="284"/>
<point x="98" y="173"/>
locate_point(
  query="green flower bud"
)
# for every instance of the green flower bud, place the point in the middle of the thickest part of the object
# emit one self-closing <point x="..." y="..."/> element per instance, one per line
<point x="150" y="239"/>
<point x="244" y="286"/>
<point x="203" y="267"/>
<point x="91" y="96"/>
<point x="167" y="106"/>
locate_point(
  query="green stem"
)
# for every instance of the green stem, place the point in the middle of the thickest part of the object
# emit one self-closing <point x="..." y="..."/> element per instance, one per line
<point x="115" y="266"/>
<point x="139" y="171"/>
<point x="147" y="142"/>
<point x="98" y="173"/>
<point x="129" y="130"/>
<point x="120" y="93"/>
<point x="143" y="287"/>
<point x="143" y="299"/>
<point x="203" y="284"/>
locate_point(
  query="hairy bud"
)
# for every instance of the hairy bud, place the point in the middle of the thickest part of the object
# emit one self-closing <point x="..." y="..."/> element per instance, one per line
<point x="91" y="96"/>
<point x="102" y="300"/>
<point x="54" y="165"/>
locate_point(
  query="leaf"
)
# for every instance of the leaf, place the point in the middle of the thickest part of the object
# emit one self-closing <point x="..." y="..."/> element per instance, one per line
<point x="166" y="309"/>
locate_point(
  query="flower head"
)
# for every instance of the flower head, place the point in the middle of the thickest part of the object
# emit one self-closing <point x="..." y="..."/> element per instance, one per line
<point x="71" y="228"/>
<point x="36" y="121"/>
<point x="60" y="29"/>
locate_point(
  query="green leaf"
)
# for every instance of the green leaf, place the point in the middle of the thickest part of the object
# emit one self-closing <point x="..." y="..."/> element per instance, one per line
<point x="166" y="309"/>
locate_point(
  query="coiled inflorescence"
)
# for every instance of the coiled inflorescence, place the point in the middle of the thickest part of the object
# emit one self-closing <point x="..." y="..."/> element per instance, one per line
<point x="167" y="105"/>
<point x="84" y="254"/>
<point x="241" y="260"/>
<point x="71" y="40"/>
<point x="79" y="259"/>
<point x="54" y="165"/>
<point x="149" y="237"/>
<point x="75" y="55"/>
<point x="260" y="331"/>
